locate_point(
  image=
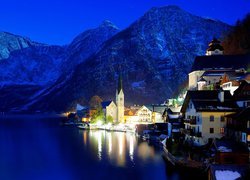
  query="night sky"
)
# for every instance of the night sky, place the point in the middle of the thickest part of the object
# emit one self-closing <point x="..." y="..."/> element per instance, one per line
<point x="59" y="21"/>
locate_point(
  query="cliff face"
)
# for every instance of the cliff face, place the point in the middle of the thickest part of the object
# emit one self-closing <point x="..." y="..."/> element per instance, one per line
<point x="154" y="55"/>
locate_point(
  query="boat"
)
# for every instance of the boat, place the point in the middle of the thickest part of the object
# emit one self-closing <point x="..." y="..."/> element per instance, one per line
<point x="84" y="127"/>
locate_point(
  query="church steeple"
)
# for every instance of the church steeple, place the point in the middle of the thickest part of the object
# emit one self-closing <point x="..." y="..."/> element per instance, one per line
<point x="120" y="101"/>
<point x="120" y="83"/>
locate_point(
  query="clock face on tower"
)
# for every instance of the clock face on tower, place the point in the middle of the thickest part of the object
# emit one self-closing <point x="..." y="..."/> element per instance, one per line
<point x="120" y="99"/>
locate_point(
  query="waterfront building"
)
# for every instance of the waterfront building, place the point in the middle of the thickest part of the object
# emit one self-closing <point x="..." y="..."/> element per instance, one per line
<point x="204" y="114"/>
<point x="138" y="115"/>
<point x="82" y="113"/>
<point x="175" y="121"/>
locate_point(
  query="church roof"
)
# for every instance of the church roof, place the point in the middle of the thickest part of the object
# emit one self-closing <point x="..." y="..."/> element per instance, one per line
<point x="202" y="79"/>
<point x="105" y="104"/>
<point x="221" y="62"/>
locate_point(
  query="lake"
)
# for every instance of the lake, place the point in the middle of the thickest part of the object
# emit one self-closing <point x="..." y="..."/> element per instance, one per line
<point x="32" y="148"/>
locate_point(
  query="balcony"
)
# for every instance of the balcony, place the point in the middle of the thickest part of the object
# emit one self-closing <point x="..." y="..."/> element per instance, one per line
<point x="190" y="121"/>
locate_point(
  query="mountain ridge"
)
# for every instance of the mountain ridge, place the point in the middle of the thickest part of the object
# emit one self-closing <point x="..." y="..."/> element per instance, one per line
<point x="154" y="54"/>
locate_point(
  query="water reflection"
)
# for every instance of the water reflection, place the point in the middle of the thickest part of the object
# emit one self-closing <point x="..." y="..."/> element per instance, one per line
<point x="42" y="149"/>
<point x="119" y="147"/>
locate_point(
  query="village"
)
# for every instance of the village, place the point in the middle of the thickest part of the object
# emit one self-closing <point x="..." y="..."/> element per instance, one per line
<point x="206" y="128"/>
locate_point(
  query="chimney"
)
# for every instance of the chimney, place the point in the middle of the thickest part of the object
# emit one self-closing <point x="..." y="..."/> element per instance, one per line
<point x="221" y="96"/>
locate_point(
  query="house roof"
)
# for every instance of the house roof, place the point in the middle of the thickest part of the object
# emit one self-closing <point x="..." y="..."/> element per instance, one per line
<point x="202" y="80"/>
<point x="130" y="112"/>
<point x="241" y="115"/>
<point x="208" y="101"/>
<point x="105" y="104"/>
<point x="156" y="108"/>
<point x="174" y="110"/>
<point x="221" y="62"/>
<point x="243" y="91"/>
<point x="80" y="107"/>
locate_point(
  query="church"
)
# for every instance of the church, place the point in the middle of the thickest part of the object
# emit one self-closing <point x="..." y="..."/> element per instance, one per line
<point x="115" y="110"/>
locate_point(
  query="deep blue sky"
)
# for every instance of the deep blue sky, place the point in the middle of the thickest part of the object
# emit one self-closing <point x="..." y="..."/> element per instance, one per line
<point x="59" y="21"/>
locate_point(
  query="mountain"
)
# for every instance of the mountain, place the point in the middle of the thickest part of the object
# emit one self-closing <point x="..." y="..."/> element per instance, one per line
<point x="154" y="55"/>
<point x="10" y="42"/>
<point x="32" y="67"/>
<point x="88" y="43"/>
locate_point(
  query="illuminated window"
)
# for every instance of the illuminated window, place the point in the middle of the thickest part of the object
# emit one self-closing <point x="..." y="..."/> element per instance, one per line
<point x="222" y="130"/>
<point x="248" y="138"/>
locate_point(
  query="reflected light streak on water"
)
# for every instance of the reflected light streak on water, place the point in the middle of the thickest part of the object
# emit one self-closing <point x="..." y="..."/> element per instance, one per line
<point x="110" y="143"/>
<point x="131" y="147"/>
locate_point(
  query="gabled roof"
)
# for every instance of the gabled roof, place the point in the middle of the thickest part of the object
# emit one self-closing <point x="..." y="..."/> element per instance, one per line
<point x="202" y="80"/>
<point x="222" y="61"/>
<point x="156" y="108"/>
<point x="105" y="104"/>
<point x="208" y="101"/>
<point x="130" y="112"/>
<point x="174" y="110"/>
<point x="80" y="107"/>
<point x="241" y="115"/>
<point x="243" y="91"/>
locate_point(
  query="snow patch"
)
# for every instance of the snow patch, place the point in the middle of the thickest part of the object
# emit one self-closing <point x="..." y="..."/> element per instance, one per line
<point x="226" y="175"/>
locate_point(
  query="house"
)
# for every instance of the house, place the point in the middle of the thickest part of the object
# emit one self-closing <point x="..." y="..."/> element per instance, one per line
<point x="82" y="113"/>
<point x="238" y="126"/>
<point x="242" y="94"/>
<point x="204" y="113"/>
<point x="109" y="109"/>
<point x="175" y="121"/>
<point x="138" y="115"/>
<point x="130" y="115"/>
<point x="222" y="78"/>
<point x="157" y="112"/>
